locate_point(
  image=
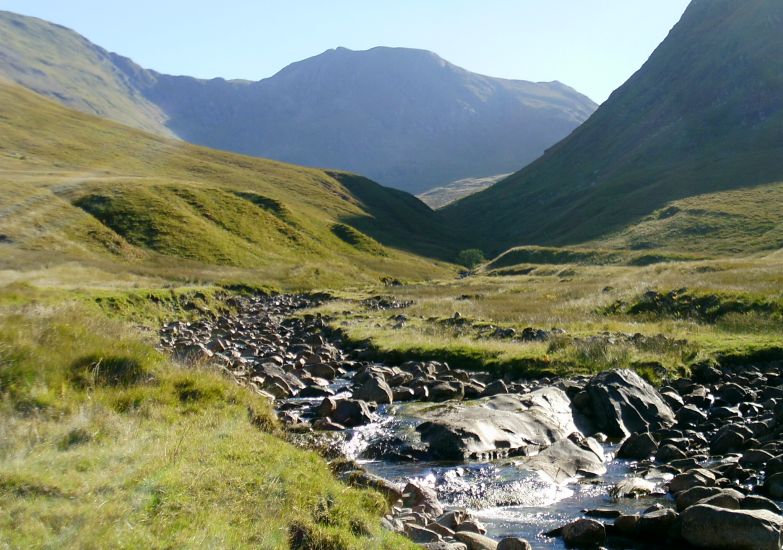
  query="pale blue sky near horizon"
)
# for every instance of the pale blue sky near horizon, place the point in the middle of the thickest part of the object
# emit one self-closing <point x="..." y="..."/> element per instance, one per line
<point x="591" y="45"/>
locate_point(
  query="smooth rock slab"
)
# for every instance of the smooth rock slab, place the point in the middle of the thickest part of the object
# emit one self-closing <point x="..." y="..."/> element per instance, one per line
<point x="706" y="526"/>
<point x="497" y="426"/>
<point x="569" y="458"/>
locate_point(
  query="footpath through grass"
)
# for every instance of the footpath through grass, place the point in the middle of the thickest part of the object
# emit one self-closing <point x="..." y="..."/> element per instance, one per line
<point x="104" y="443"/>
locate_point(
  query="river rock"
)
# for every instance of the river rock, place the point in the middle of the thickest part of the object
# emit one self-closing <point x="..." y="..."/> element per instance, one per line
<point x="495" y="388"/>
<point x="694" y="495"/>
<point x="444" y="546"/>
<point x="623" y="403"/>
<point x="638" y="446"/>
<point x="497" y="426"/>
<point x="756" y="502"/>
<point x="584" y="533"/>
<point x="632" y="487"/>
<point x="375" y="389"/>
<point x="514" y="543"/>
<point x="567" y="458"/>
<point x="691" y="478"/>
<point x="474" y="541"/>
<point x="420" y="534"/>
<point x="706" y="526"/>
<point x="415" y="495"/>
<point x="351" y="413"/>
<point x="655" y="525"/>
<point x="773" y="486"/>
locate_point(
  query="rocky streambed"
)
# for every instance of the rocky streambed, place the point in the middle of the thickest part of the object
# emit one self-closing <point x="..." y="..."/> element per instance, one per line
<point x="470" y="461"/>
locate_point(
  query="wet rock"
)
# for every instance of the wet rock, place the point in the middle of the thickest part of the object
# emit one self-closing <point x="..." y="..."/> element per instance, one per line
<point x="495" y="388"/>
<point x="623" y="403"/>
<point x="773" y="486"/>
<point x="473" y="526"/>
<point x="474" y="541"/>
<point x="638" y="446"/>
<point x="514" y="543"/>
<point x="351" y="413"/>
<point x="626" y="524"/>
<point x="723" y="500"/>
<point x="755" y="458"/>
<point x="567" y="458"/>
<point x="417" y="495"/>
<point x="603" y="513"/>
<point x="420" y="534"/>
<point x="401" y="393"/>
<point x="444" y="391"/>
<point x="444" y="546"/>
<point x="315" y="391"/>
<point x="756" y="502"/>
<point x="690" y="415"/>
<point x="706" y="526"/>
<point x="655" y="525"/>
<point x="691" y="478"/>
<point x="694" y="495"/>
<point x="498" y="426"/>
<point x="327" y="425"/>
<point x="584" y="533"/>
<point x="632" y="487"/>
<point x="374" y="389"/>
<point x="669" y="453"/>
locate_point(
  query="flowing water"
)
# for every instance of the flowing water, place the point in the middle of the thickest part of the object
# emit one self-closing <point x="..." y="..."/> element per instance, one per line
<point x="508" y="499"/>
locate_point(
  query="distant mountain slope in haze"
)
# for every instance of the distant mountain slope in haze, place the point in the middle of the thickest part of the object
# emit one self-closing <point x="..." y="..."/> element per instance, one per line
<point x="704" y="114"/>
<point x="404" y="117"/>
<point x="456" y="190"/>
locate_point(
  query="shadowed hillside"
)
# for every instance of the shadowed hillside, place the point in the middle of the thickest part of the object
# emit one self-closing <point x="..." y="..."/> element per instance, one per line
<point x="704" y="114"/>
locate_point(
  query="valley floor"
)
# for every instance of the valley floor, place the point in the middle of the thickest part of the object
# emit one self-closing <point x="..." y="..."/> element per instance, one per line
<point x="103" y="439"/>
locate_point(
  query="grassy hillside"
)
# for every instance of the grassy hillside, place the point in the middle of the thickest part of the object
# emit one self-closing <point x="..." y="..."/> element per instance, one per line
<point x="703" y="115"/>
<point x="78" y="187"/>
<point x="742" y="221"/>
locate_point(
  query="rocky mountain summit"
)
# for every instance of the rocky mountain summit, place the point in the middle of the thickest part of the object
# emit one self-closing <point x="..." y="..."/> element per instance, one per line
<point x="712" y="442"/>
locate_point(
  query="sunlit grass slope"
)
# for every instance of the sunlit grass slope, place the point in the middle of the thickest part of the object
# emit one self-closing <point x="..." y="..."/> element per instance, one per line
<point x="91" y="189"/>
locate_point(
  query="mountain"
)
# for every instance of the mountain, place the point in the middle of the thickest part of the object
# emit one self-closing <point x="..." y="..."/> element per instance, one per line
<point x="75" y="187"/>
<point x="454" y="191"/>
<point x="703" y="115"/>
<point x="404" y="117"/>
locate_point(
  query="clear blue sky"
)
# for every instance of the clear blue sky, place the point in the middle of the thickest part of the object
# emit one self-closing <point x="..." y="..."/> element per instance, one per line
<point x="592" y="45"/>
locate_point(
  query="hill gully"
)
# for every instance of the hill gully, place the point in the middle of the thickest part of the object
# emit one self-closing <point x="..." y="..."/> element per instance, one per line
<point x="469" y="461"/>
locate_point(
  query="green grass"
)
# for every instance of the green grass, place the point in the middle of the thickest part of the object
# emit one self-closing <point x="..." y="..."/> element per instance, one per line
<point x="105" y="443"/>
<point x="730" y="311"/>
<point x="81" y="189"/>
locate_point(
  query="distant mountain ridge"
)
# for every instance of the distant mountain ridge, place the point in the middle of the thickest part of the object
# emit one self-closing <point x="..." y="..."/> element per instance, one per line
<point x="703" y="115"/>
<point x="404" y="117"/>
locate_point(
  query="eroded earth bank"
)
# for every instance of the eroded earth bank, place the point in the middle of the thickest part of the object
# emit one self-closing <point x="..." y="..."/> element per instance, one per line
<point x="470" y="461"/>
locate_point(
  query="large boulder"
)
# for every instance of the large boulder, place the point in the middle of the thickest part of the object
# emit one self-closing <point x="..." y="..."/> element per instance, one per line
<point x="497" y="426"/>
<point x="567" y="458"/>
<point x="584" y="533"/>
<point x="623" y="403"/>
<point x="706" y="526"/>
<point x="375" y="389"/>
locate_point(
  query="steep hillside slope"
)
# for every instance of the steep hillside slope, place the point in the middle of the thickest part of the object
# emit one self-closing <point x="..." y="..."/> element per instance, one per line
<point x="456" y="190"/>
<point x="85" y="187"/>
<point x="704" y="114"/>
<point x="56" y="62"/>
<point x="404" y="117"/>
